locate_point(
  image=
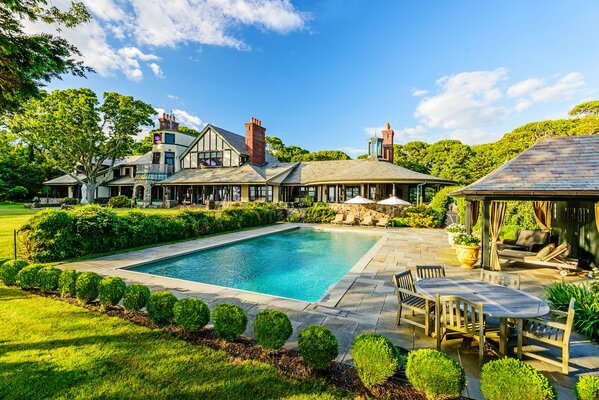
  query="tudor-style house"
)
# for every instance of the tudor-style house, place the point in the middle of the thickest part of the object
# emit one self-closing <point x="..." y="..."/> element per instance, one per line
<point x="223" y="166"/>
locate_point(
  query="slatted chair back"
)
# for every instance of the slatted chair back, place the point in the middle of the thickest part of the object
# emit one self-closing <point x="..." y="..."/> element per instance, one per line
<point x="404" y="280"/>
<point x="500" y="278"/>
<point x="430" y="271"/>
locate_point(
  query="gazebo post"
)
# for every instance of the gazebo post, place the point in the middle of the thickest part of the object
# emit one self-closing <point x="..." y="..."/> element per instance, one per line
<point x="486" y="254"/>
<point x="468" y="216"/>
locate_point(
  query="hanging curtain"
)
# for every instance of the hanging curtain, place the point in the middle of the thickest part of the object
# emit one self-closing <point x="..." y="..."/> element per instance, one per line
<point x="474" y="212"/>
<point x="497" y="216"/>
<point x="542" y="211"/>
<point x="597" y="215"/>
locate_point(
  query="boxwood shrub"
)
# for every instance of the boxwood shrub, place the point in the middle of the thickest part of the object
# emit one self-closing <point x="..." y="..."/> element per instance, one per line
<point x="120" y="201"/>
<point x="375" y="357"/>
<point x="9" y="271"/>
<point x="436" y="374"/>
<point x="272" y="328"/>
<point x="136" y="297"/>
<point x="229" y="320"/>
<point x="192" y="314"/>
<point x="111" y="291"/>
<point x="86" y="287"/>
<point x="510" y="379"/>
<point x="47" y="279"/>
<point x="587" y="388"/>
<point x="67" y="283"/>
<point x="54" y="235"/>
<point x="318" y="346"/>
<point x="27" y="276"/>
<point x="160" y="308"/>
<point x="3" y="260"/>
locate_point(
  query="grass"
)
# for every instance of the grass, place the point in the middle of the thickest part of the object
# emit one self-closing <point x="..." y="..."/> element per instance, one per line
<point x="12" y="216"/>
<point x="54" y="350"/>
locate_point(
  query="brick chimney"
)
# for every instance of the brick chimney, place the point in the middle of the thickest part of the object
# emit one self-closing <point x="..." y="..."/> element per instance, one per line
<point x="255" y="142"/>
<point x="388" y="143"/>
<point x="168" y="122"/>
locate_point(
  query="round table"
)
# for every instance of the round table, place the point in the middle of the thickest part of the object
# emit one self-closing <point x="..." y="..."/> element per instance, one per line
<point x="498" y="301"/>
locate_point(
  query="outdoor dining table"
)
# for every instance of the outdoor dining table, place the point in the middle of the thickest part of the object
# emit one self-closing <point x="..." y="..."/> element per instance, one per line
<point x="498" y="301"/>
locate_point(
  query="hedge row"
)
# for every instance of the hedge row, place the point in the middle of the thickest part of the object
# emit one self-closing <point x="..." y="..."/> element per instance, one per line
<point x="54" y="235"/>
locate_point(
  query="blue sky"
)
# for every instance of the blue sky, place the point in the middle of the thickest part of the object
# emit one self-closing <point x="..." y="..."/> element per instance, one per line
<point x="327" y="74"/>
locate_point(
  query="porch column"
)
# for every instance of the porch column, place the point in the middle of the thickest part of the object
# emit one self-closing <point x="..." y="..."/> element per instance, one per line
<point x="468" y="216"/>
<point x="485" y="245"/>
<point x="362" y="190"/>
<point x="393" y="190"/>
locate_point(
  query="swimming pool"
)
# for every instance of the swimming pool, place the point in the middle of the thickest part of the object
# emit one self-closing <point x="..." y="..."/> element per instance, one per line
<point x="299" y="264"/>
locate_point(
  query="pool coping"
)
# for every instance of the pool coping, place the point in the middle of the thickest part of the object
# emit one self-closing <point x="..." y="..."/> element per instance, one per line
<point x="123" y="262"/>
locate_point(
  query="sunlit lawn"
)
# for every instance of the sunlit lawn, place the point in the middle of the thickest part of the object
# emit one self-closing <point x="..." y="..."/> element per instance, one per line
<point x="50" y="349"/>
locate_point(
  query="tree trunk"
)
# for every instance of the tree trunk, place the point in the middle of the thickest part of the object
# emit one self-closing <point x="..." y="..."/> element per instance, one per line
<point x="91" y="192"/>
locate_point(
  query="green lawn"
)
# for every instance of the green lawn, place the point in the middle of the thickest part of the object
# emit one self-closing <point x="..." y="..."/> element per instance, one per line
<point x="51" y="349"/>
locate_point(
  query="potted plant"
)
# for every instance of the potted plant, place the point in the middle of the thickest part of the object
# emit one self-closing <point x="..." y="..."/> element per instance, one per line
<point x="467" y="248"/>
<point x="452" y="230"/>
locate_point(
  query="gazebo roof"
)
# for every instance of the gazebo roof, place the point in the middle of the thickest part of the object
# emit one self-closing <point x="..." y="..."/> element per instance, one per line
<point x="565" y="166"/>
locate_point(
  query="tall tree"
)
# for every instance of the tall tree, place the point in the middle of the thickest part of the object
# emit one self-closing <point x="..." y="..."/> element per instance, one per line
<point x="80" y="136"/>
<point x="27" y="62"/>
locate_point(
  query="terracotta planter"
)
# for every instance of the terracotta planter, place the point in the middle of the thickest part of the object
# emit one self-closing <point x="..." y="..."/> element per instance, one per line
<point x="467" y="255"/>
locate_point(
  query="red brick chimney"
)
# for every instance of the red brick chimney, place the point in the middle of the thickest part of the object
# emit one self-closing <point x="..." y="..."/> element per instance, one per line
<point x="388" y="143"/>
<point x="255" y="141"/>
<point x="168" y="122"/>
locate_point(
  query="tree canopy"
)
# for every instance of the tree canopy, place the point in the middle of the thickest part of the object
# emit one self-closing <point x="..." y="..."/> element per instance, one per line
<point x="27" y="62"/>
<point x="79" y="136"/>
<point x="283" y="153"/>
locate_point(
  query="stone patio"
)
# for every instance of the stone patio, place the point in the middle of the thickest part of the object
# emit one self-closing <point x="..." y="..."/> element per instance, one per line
<point x="364" y="301"/>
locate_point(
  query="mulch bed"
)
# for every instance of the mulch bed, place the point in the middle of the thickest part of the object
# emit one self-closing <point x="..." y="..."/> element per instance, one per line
<point x="338" y="375"/>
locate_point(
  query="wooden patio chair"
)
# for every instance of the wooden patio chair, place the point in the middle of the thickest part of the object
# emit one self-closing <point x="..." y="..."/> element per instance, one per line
<point x="500" y="278"/>
<point x="549" y="333"/>
<point x="456" y="314"/>
<point x="338" y="219"/>
<point x="408" y="298"/>
<point x="350" y="219"/>
<point x="367" y="221"/>
<point x="430" y="271"/>
<point x="383" y="222"/>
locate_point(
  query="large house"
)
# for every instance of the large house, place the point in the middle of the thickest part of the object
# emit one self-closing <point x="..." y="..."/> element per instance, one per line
<point x="223" y="166"/>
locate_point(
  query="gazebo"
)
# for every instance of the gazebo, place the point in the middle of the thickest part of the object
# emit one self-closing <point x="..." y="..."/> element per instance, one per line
<point x="560" y="176"/>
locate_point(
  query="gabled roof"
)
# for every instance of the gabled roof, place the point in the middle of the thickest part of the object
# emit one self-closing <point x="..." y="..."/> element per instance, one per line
<point x="557" y="166"/>
<point x="134" y="160"/>
<point x="65" y="179"/>
<point x="247" y="173"/>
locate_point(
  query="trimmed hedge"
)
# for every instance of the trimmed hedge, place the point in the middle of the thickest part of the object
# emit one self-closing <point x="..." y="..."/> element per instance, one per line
<point x="67" y="284"/>
<point x="120" y="201"/>
<point x="27" y="277"/>
<point x="136" y="297"/>
<point x="9" y="271"/>
<point x="111" y="291"/>
<point x="229" y="320"/>
<point x="318" y="346"/>
<point x="436" y="374"/>
<point x="3" y="260"/>
<point x="511" y="379"/>
<point x="47" y="279"/>
<point x="54" y="235"/>
<point x="160" y="308"/>
<point x="86" y="287"/>
<point x="192" y="314"/>
<point x="272" y="328"/>
<point x="587" y="388"/>
<point x="375" y="357"/>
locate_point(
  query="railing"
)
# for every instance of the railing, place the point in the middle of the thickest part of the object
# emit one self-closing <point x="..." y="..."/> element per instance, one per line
<point x="154" y="172"/>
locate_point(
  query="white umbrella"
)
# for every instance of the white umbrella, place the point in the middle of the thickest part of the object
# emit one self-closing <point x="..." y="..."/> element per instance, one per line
<point x="394" y="201"/>
<point x="359" y="200"/>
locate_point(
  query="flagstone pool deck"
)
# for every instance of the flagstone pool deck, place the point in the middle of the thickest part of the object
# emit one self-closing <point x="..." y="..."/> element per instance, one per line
<point x="363" y="301"/>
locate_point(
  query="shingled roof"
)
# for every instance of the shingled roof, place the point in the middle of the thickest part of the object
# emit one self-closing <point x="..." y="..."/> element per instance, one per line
<point x="558" y="166"/>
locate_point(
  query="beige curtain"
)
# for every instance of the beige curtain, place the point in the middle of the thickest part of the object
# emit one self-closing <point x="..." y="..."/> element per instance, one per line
<point x="597" y="215"/>
<point x="497" y="216"/>
<point x="474" y="211"/>
<point x="542" y="211"/>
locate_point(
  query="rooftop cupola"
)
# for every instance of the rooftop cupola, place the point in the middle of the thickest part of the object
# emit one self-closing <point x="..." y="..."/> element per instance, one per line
<point x="388" y="134"/>
<point x="375" y="147"/>
<point x="168" y="122"/>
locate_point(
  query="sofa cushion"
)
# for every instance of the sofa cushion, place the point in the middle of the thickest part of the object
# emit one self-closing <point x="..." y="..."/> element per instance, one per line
<point x="528" y="238"/>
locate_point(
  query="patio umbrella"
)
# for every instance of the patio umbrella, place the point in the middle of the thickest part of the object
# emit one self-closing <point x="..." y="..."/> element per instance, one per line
<point x="359" y="200"/>
<point x="394" y="201"/>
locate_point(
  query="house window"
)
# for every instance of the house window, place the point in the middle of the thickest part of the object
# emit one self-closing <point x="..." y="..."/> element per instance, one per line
<point x="210" y="158"/>
<point x="155" y="158"/>
<point x="157" y="138"/>
<point x="351" y="192"/>
<point x="236" y="193"/>
<point x="331" y="198"/>
<point x="260" y="193"/>
<point x="126" y="172"/>
<point x="372" y="192"/>
<point x="169" y="158"/>
<point x="169" y="138"/>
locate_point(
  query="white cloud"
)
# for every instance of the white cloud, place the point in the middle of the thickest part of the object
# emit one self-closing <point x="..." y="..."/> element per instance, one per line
<point x="354" y="150"/>
<point x="189" y="120"/>
<point x="538" y="90"/>
<point x="419" y="92"/>
<point x="522" y="105"/>
<point x="525" y="87"/>
<point x="371" y="131"/>
<point x="156" y="70"/>
<point x="465" y="100"/>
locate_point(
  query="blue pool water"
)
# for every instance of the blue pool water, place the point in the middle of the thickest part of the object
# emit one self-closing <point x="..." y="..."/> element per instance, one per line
<point x="299" y="264"/>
